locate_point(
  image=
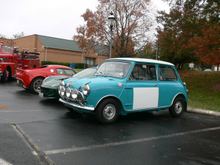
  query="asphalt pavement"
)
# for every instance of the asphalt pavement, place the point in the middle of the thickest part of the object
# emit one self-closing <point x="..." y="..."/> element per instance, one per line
<point x="40" y="131"/>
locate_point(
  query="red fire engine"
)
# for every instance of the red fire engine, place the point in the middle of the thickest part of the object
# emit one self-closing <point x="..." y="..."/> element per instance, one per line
<point x="11" y="59"/>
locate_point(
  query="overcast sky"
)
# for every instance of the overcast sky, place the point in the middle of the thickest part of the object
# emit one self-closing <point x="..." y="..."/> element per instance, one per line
<point x="56" y="18"/>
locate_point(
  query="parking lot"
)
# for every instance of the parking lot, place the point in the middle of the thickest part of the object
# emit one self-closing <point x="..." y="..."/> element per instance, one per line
<point x="39" y="131"/>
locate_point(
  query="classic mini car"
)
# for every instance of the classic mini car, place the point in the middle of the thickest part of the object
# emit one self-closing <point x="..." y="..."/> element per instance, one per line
<point x="49" y="87"/>
<point x="124" y="85"/>
<point x="33" y="78"/>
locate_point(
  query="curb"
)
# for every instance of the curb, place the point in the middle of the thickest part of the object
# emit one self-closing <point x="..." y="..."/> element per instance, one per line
<point x="203" y="111"/>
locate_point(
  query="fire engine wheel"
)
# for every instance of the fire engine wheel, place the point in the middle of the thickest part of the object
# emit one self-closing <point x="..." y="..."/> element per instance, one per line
<point x="35" y="84"/>
<point x="5" y="76"/>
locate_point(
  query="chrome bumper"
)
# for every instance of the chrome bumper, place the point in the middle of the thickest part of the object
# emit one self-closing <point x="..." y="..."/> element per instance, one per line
<point x="76" y="105"/>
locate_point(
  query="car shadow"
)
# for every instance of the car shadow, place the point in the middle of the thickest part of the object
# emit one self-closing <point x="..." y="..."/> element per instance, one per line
<point x="51" y="103"/>
<point x="130" y="118"/>
<point x="24" y="92"/>
<point x="11" y="81"/>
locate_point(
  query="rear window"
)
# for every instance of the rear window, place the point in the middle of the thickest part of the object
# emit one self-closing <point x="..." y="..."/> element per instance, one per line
<point x="167" y="73"/>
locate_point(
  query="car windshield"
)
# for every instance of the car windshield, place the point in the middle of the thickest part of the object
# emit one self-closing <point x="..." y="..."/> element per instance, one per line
<point x="68" y="72"/>
<point x="113" y="69"/>
<point x="85" y="73"/>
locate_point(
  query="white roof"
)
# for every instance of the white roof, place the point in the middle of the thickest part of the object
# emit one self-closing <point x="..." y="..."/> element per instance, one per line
<point x="144" y="60"/>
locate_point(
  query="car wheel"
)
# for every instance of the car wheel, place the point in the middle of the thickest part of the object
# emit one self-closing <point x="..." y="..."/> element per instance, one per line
<point x="178" y="107"/>
<point x="107" y="111"/>
<point x="35" y="84"/>
<point x="5" y="76"/>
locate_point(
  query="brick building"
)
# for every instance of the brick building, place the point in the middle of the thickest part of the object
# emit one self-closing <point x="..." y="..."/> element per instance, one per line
<point x="59" y="50"/>
<point x="7" y="42"/>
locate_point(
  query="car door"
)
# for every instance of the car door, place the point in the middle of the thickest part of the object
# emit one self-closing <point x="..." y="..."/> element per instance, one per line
<point x="141" y="89"/>
<point x="167" y="84"/>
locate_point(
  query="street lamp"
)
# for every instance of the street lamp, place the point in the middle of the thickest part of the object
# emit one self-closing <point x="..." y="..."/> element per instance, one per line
<point x="111" y="20"/>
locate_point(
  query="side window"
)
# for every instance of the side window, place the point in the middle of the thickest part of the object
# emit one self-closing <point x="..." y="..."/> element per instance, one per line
<point x="167" y="74"/>
<point x="143" y="72"/>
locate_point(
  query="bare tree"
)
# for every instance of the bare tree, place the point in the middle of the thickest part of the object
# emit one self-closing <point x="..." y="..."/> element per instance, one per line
<point x="130" y="30"/>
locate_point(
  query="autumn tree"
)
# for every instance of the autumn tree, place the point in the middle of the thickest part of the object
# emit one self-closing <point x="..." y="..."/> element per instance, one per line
<point x="148" y="51"/>
<point x="2" y="36"/>
<point x="206" y="45"/>
<point x="18" y="35"/>
<point x="179" y="26"/>
<point x="130" y="29"/>
<point x="190" y="32"/>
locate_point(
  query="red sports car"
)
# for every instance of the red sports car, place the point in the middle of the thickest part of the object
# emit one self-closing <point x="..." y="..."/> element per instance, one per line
<point x="32" y="78"/>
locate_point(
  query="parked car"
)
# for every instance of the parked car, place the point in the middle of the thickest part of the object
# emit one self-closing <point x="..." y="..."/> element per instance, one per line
<point x="208" y="70"/>
<point x="49" y="87"/>
<point x="125" y="85"/>
<point x="33" y="78"/>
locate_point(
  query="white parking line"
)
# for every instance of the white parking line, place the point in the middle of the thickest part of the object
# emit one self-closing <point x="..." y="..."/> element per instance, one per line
<point x="4" y="162"/>
<point x="76" y="149"/>
<point x="10" y="111"/>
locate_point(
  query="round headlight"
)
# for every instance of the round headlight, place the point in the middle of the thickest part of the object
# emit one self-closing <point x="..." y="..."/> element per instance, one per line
<point x="86" y="89"/>
<point x="68" y="92"/>
<point x="74" y="94"/>
<point x="62" y="83"/>
<point x="61" y="90"/>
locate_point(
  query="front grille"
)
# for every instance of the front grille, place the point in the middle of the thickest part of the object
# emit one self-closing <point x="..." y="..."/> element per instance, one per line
<point x="48" y="91"/>
<point x="80" y="100"/>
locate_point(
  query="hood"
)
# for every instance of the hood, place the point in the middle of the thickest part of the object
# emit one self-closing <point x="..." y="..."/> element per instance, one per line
<point x="53" y="81"/>
<point x="95" y="82"/>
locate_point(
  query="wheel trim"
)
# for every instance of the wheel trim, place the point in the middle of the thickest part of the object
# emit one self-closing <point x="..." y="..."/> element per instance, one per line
<point x="109" y="111"/>
<point x="36" y="85"/>
<point x="178" y="107"/>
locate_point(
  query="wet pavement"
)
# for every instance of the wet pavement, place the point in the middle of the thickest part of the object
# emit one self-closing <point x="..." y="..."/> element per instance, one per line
<point x="44" y="132"/>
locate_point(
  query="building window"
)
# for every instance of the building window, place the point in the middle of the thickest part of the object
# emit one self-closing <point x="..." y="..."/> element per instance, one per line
<point x="90" y="61"/>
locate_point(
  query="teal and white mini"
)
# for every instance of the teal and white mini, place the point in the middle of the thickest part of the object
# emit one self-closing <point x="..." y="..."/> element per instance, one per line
<point x="125" y="85"/>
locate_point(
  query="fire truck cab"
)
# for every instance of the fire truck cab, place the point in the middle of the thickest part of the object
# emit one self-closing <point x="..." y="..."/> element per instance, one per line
<point x="11" y="59"/>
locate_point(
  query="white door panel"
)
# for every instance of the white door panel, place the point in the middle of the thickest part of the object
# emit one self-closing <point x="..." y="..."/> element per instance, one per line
<point x="144" y="98"/>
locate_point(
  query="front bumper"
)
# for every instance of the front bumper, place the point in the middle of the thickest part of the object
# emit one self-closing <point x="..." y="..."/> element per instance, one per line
<point x="20" y="83"/>
<point x="72" y="105"/>
<point x="49" y="92"/>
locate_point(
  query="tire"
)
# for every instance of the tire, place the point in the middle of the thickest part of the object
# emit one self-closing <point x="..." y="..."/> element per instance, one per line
<point x="178" y="107"/>
<point x="6" y="75"/>
<point x="35" y="84"/>
<point x="108" y="111"/>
